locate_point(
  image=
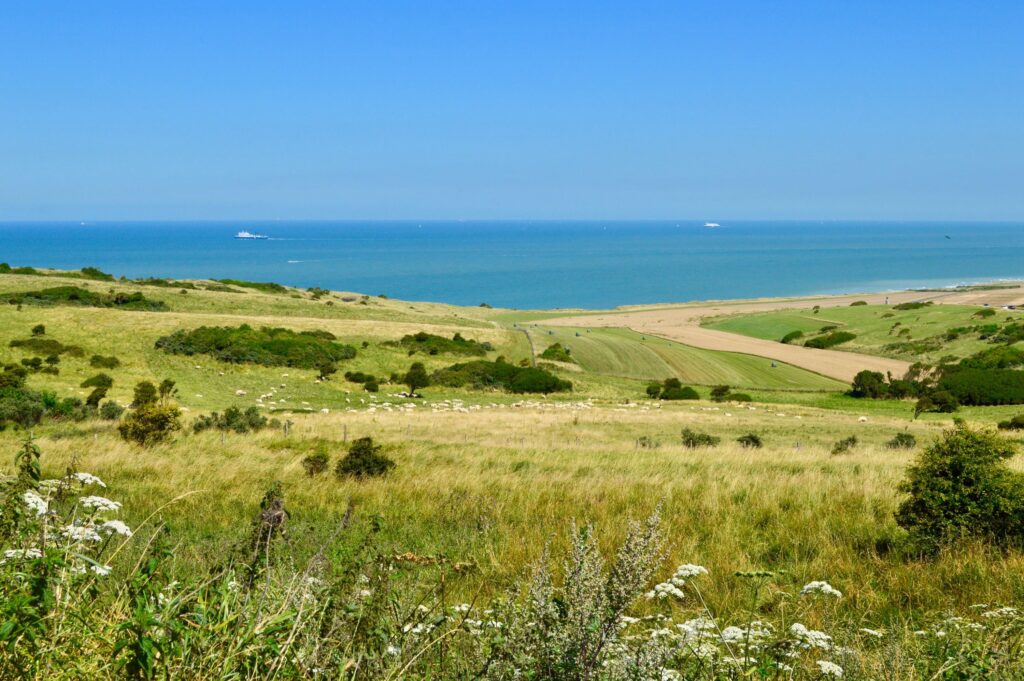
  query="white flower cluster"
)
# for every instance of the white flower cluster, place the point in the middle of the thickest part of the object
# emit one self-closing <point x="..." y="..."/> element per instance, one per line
<point x="35" y="503"/>
<point x="80" y="533"/>
<point x="21" y="554"/>
<point x="88" y="479"/>
<point x="810" y="638"/>
<point x="823" y="588"/>
<point x="673" y="586"/>
<point x="99" y="503"/>
<point x="830" y="669"/>
<point x="116" y="527"/>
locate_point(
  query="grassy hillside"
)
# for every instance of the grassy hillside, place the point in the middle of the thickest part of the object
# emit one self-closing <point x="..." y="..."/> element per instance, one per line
<point x="880" y="329"/>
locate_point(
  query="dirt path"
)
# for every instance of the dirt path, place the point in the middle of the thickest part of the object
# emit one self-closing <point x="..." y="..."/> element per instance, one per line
<point x="682" y="323"/>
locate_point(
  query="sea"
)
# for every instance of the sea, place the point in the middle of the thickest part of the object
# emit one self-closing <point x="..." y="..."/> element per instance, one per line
<point x="540" y="264"/>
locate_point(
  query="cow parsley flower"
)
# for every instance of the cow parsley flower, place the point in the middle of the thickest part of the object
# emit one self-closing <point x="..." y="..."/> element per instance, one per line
<point x="99" y="503"/>
<point x="80" y="533"/>
<point x="116" y="527"/>
<point x="823" y="588"/>
<point x="35" y="502"/>
<point x="88" y="479"/>
<point x="22" y="554"/>
<point x="810" y="638"/>
<point x="830" y="669"/>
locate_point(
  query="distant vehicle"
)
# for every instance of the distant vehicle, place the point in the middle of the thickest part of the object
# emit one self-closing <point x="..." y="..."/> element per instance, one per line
<point x="711" y="225"/>
<point x="251" y="236"/>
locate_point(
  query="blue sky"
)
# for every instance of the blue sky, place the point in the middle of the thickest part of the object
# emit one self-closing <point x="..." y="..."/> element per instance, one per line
<point x="436" y="110"/>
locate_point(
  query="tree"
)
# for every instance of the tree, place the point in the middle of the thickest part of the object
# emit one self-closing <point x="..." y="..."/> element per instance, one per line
<point x="416" y="378"/>
<point x="94" y="398"/>
<point x="960" y="486"/>
<point x="719" y="393"/>
<point x="939" y="401"/>
<point x="167" y="390"/>
<point x="869" y="384"/>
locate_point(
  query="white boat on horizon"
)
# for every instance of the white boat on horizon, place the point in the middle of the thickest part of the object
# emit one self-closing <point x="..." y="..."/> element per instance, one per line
<point x="250" y="236"/>
<point x="711" y="225"/>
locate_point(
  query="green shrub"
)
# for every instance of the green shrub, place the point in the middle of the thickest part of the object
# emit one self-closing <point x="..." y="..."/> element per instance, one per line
<point x="981" y="387"/>
<point x="557" y="353"/>
<point x="740" y="397"/>
<point x="720" y="393"/>
<point x="75" y="296"/>
<point x="111" y="410"/>
<point x="326" y="369"/>
<point x="47" y="346"/>
<point x="911" y="305"/>
<point x="364" y="459"/>
<point x="830" y="340"/>
<point x="844" y="445"/>
<point x="902" y="441"/>
<point x="101" y="362"/>
<point x="693" y="439"/>
<point x="13" y="376"/>
<point x="858" y="303"/>
<point x="429" y="344"/>
<point x="684" y="393"/>
<point x="869" y="384"/>
<point x="150" y="423"/>
<point x="416" y="377"/>
<point x="750" y="440"/>
<point x="20" y="407"/>
<point x="233" y="419"/>
<point x="98" y="381"/>
<point x="984" y="313"/>
<point x="265" y="287"/>
<point x="938" y="401"/>
<point x="654" y="390"/>
<point x="359" y="377"/>
<point x="144" y="393"/>
<point x="485" y="374"/>
<point x="647" y="442"/>
<point x="95" y="273"/>
<point x="792" y="336"/>
<point x="38" y="330"/>
<point x="961" y="487"/>
<point x="371" y="386"/>
<point x="999" y="357"/>
<point x="266" y="346"/>
<point x="316" y="463"/>
<point x="94" y="398"/>
<point x="1015" y="423"/>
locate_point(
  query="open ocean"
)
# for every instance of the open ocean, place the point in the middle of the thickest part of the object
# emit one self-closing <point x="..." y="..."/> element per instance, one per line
<point x="540" y="264"/>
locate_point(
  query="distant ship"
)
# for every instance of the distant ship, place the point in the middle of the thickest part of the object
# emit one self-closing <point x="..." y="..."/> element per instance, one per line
<point x="712" y="225"/>
<point x="250" y="235"/>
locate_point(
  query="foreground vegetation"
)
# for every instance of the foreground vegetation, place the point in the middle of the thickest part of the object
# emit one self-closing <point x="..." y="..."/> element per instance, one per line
<point x="298" y="524"/>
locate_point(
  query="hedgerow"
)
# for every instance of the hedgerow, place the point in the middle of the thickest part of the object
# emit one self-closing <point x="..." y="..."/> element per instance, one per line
<point x="75" y="296"/>
<point x="266" y="346"/>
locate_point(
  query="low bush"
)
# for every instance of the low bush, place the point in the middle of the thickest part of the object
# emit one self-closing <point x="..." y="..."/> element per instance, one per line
<point x="20" y="407"/>
<point x="750" y="440"/>
<point x="984" y="313"/>
<point x="694" y="439"/>
<point x="684" y="393"/>
<point x="792" y="336"/>
<point x="647" y="442"/>
<point x="982" y="387"/>
<point x="902" y="441"/>
<point x="150" y="423"/>
<point x="233" y="419"/>
<point x="845" y="445"/>
<point x="47" y="346"/>
<point x="359" y="377"/>
<point x="266" y="346"/>
<point x="94" y="398"/>
<point x="38" y="330"/>
<point x="830" y="340"/>
<point x="499" y="374"/>
<point x="110" y="410"/>
<point x="557" y="353"/>
<point x="858" y="303"/>
<point x="316" y="463"/>
<point x="75" y="296"/>
<point x="961" y="487"/>
<point x="98" y="381"/>
<point x="364" y="460"/>
<point x="101" y="362"/>
<point x="1015" y="423"/>
<point x="912" y="305"/>
<point x="265" y="287"/>
<point x="430" y="344"/>
<point x="938" y="402"/>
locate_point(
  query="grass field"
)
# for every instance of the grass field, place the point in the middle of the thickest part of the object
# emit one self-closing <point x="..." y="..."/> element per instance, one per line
<point x="876" y="326"/>
<point x="489" y="479"/>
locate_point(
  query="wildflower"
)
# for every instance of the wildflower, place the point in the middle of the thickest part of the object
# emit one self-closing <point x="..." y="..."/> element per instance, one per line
<point x="80" y="533"/>
<point x="830" y="669"/>
<point x="810" y="638"/>
<point x="823" y="588"/>
<point x="88" y="479"/>
<point x="393" y="650"/>
<point x="99" y="503"/>
<point x="101" y="570"/>
<point x="35" y="502"/>
<point x="1000" y="612"/>
<point x="664" y="590"/>
<point x="116" y="527"/>
<point x="22" y="554"/>
<point x="872" y="632"/>
<point x="461" y="608"/>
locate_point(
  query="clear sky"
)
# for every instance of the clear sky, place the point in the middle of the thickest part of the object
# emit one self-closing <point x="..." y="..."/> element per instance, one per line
<point x="902" y="109"/>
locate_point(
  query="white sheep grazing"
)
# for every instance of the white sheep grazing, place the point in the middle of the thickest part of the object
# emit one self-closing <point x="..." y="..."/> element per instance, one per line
<point x="863" y="419"/>
<point x="240" y="393"/>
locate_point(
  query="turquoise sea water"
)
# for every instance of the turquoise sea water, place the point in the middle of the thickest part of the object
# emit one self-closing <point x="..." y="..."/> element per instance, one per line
<point x="540" y="264"/>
